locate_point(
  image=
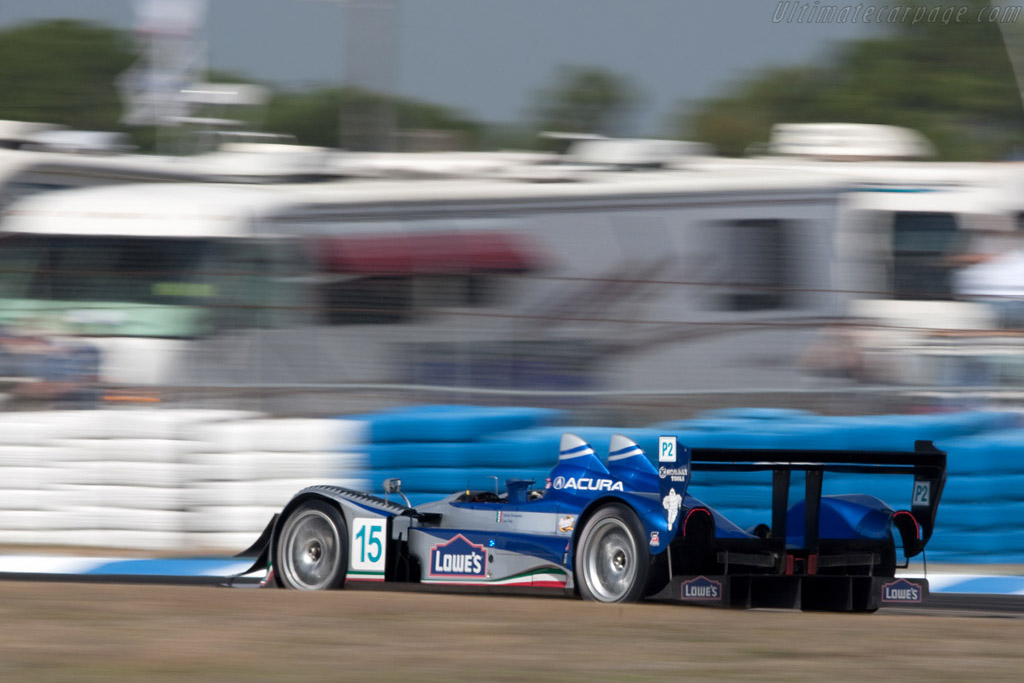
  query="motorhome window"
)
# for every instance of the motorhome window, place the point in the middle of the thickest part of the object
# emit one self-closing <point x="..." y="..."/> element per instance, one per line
<point x="258" y="283"/>
<point x="923" y="245"/>
<point x="384" y="299"/>
<point x="759" y="270"/>
<point x="374" y="300"/>
<point x="102" y="269"/>
<point x="454" y="291"/>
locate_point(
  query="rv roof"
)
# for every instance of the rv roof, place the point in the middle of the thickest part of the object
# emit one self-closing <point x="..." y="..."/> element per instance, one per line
<point x="187" y="209"/>
<point x="152" y="209"/>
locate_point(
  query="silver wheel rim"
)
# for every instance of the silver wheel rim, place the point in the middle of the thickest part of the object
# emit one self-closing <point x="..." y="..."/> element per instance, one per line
<point x="309" y="558"/>
<point x="609" y="560"/>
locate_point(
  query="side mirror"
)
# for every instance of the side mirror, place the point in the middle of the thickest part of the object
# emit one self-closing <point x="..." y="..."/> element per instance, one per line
<point x="394" y="485"/>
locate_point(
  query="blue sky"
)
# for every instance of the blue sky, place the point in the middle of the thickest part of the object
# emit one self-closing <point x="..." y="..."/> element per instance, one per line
<point x="489" y="57"/>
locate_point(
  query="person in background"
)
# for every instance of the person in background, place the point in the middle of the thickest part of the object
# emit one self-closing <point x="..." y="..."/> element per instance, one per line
<point x="39" y="366"/>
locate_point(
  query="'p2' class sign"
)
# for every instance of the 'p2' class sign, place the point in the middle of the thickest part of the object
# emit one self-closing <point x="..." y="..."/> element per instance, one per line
<point x="667" y="449"/>
<point x="922" y="493"/>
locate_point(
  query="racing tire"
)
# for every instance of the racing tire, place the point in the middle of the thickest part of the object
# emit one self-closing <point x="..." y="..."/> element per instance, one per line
<point x="612" y="561"/>
<point x="311" y="550"/>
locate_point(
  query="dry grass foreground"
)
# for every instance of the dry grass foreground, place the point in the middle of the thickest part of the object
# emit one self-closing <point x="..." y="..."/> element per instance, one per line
<point x="69" y="632"/>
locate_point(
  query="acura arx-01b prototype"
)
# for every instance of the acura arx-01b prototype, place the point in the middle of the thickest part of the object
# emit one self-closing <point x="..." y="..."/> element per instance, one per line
<point x="627" y="530"/>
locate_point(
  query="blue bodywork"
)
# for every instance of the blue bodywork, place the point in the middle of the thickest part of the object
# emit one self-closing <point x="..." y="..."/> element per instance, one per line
<point x="580" y="482"/>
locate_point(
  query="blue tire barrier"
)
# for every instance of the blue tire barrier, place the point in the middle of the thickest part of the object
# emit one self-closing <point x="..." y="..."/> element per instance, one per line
<point x="994" y="452"/>
<point x="756" y="414"/>
<point x="895" y="490"/>
<point x="869" y="432"/>
<point x="972" y="543"/>
<point x="444" y="480"/>
<point x="1001" y="488"/>
<point x="723" y="498"/>
<point x="383" y="457"/>
<point x="981" y="516"/>
<point x="450" y="423"/>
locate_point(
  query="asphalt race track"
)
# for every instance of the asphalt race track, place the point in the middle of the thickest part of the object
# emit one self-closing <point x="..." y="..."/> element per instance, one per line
<point x="980" y="599"/>
<point x="56" y="631"/>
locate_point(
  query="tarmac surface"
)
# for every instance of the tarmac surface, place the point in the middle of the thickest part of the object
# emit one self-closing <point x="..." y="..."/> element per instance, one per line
<point x="107" y="632"/>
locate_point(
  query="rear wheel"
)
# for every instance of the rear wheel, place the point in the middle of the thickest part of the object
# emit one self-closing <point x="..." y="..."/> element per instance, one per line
<point x="312" y="549"/>
<point x="612" y="560"/>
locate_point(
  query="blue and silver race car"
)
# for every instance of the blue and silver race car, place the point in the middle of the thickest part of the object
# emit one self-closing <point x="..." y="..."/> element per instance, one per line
<point x="625" y="530"/>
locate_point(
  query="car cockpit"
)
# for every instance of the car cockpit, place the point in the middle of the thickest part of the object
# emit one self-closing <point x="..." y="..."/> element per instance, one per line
<point x="517" y="492"/>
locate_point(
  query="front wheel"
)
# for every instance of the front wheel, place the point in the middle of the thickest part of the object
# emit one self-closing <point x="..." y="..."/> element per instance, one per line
<point x="612" y="561"/>
<point x="311" y="552"/>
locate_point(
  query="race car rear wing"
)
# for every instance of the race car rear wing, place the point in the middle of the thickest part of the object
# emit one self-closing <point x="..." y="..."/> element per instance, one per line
<point x="926" y="463"/>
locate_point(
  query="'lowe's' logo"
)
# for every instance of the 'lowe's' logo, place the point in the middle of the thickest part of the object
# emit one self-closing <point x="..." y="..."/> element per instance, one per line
<point x="586" y="484"/>
<point x="901" y="591"/>
<point x="700" y="588"/>
<point x="458" y="558"/>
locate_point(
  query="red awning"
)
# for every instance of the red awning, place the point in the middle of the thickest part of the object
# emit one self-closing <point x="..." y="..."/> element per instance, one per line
<point x="427" y="253"/>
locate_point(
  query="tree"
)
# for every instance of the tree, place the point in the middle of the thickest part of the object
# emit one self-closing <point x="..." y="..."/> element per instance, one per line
<point x="585" y="100"/>
<point x="63" y="72"/>
<point x="952" y="82"/>
<point x="313" y="116"/>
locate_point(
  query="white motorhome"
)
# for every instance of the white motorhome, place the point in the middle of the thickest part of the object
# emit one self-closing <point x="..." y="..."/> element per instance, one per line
<point x="689" y="272"/>
<point x="603" y="276"/>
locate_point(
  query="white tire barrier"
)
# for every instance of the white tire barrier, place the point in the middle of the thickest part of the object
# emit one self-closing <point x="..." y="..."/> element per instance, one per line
<point x="30" y="499"/>
<point x="272" y="492"/>
<point x="260" y="465"/>
<point x="131" y="497"/>
<point x="39" y="427"/>
<point x="286" y="435"/>
<point x="31" y="456"/>
<point x="106" y="473"/>
<point x="218" y="541"/>
<point x="248" y="518"/>
<point x="140" y="450"/>
<point x="29" y="478"/>
<point x="125" y="519"/>
<point x="162" y="479"/>
<point x="171" y="424"/>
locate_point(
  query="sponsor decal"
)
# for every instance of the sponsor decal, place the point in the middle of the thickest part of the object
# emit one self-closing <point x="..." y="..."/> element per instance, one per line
<point x="566" y="523"/>
<point x="700" y="588"/>
<point x="678" y="474"/>
<point x="458" y="558"/>
<point x="901" y="590"/>
<point x="655" y="538"/>
<point x="498" y="517"/>
<point x="672" y="502"/>
<point x="586" y="484"/>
